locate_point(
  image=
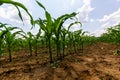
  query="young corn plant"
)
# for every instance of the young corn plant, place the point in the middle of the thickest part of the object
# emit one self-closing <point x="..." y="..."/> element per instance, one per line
<point x="50" y="26"/>
<point x="9" y="38"/>
<point x="47" y="27"/>
<point x="18" y="44"/>
<point x="78" y="40"/>
<point x="29" y="39"/>
<point x="112" y="35"/>
<point x="64" y="32"/>
<point x="58" y="24"/>
<point x="74" y="35"/>
<point x="72" y="38"/>
<point x="1" y="44"/>
<point x="2" y="34"/>
<point x="70" y="41"/>
<point x="36" y="38"/>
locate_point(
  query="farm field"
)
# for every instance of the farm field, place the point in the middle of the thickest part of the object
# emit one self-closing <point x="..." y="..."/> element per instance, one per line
<point x="68" y="40"/>
<point x="97" y="62"/>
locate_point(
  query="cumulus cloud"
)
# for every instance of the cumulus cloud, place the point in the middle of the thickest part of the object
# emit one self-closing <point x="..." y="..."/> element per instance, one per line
<point x="105" y="24"/>
<point x="98" y="32"/>
<point x="108" y="21"/>
<point x="111" y="19"/>
<point x="84" y="11"/>
<point x="10" y="13"/>
<point x="92" y="20"/>
<point x="67" y="4"/>
<point x="118" y="0"/>
<point x="72" y="2"/>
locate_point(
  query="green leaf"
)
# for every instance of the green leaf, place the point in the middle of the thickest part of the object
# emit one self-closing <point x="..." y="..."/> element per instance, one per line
<point x="2" y="25"/>
<point x="60" y="20"/>
<point x="38" y="34"/>
<point x="19" y="13"/>
<point x="74" y="24"/>
<point x="16" y="33"/>
<point x="19" y="5"/>
<point x="49" y="19"/>
<point x="40" y="5"/>
<point x="3" y="33"/>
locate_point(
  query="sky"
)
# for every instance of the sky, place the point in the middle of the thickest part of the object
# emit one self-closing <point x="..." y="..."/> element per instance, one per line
<point x="95" y="15"/>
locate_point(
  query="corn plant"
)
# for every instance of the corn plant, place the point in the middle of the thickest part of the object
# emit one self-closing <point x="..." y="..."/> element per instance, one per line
<point x="50" y="26"/>
<point x="9" y="38"/>
<point x="112" y="35"/>
<point x="2" y="33"/>
<point x="58" y="24"/>
<point x="74" y="35"/>
<point x="64" y="32"/>
<point x="19" y="44"/>
<point x="78" y="39"/>
<point x="36" y="37"/>
<point x="47" y="27"/>
<point x="29" y="39"/>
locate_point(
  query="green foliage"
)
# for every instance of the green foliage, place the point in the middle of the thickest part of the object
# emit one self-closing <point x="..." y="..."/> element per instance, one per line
<point x="53" y="27"/>
<point x="46" y="26"/>
<point x="117" y="52"/>
<point x="8" y="37"/>
<point x="112" y="35"/>
<point x="55" y="35"/>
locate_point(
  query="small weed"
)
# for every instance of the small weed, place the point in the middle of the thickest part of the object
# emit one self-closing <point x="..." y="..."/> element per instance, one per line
<point x="117" y="52"/>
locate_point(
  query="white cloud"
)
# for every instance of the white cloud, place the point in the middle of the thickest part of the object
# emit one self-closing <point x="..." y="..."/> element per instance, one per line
<point x="72" y="2"/>
<point x="118" y="0"/>
<point x="10" y="13"/>
<point x="87" y="2"/>
<point x="67" y="4"/>
<point x="104" y="25"/>
<point x="92" y="20"/>
<point x="108" y="21"/>
<point x="111" y="19"/>
<point x="98" y="32"/>
<point x="84" y="11"/>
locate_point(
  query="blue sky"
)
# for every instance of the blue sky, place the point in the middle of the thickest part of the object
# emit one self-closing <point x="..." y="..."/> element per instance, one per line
<point x="95" y="15"/>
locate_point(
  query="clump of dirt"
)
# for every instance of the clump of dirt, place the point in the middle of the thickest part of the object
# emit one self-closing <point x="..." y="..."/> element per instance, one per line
<point x="98" y="62"/>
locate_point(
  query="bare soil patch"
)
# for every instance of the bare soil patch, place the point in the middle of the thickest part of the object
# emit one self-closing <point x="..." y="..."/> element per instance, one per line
<point x="97" y="62"/>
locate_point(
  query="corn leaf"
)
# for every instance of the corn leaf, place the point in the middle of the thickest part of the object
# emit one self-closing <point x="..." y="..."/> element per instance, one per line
<point x="19" y="13"/>
<point x="19" y="5"/>
<point x="40" y="5"/>
<point x="74" y="24"/>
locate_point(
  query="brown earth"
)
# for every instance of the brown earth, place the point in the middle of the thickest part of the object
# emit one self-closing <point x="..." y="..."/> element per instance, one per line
<point x="97" y="62"/>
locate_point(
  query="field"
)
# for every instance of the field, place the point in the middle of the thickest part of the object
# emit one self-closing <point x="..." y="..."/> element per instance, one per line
<point x="97" y="62"/>
<point x="60" y="48"/>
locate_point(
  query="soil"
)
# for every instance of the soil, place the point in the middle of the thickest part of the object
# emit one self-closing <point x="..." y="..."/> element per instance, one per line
<point x="97" y="62"/>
